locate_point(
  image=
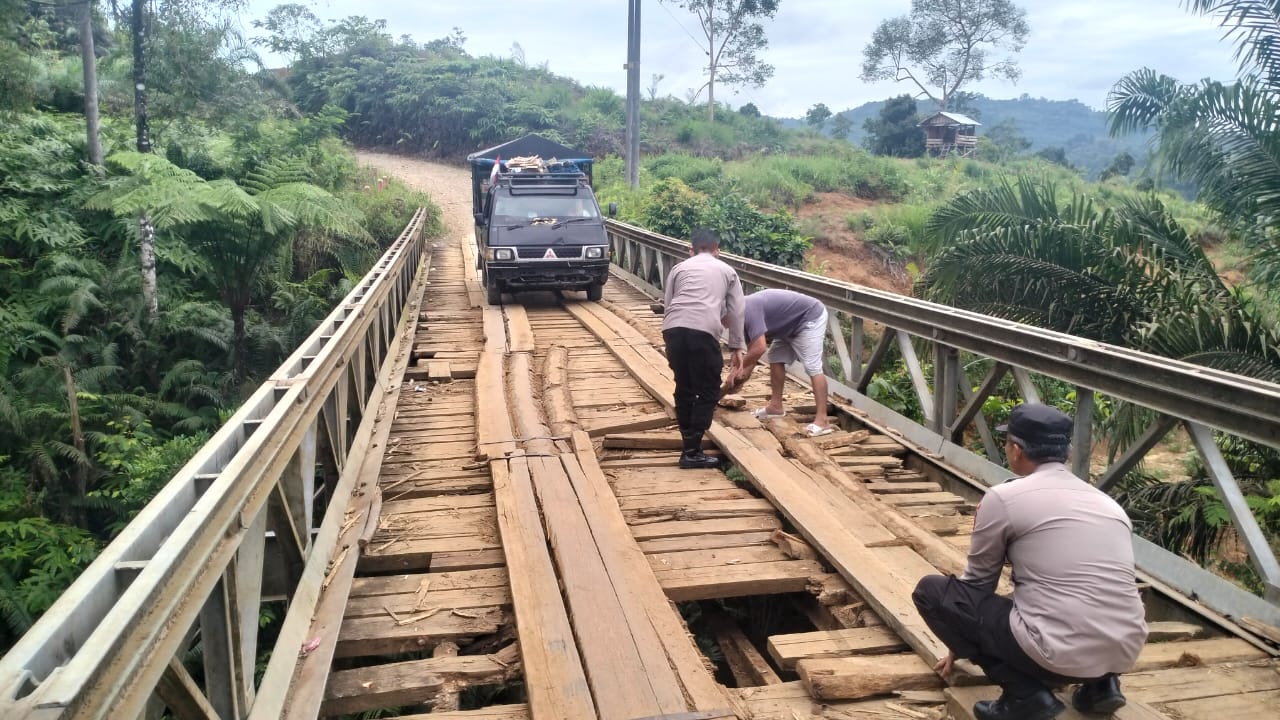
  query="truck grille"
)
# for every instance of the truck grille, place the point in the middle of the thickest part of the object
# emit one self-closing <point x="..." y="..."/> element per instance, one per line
<point x="540" y="253"/>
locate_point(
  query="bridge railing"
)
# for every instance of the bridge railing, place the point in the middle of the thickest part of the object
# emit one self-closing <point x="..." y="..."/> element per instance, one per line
<point x="234" y="526"/>
<point x="1200" y="399"/>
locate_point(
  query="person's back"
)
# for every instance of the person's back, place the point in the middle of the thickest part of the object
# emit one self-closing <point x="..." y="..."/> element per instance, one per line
<point x="1076" y="607"/>
<point x="702" y="297"/>
<point x="700" y="294"/>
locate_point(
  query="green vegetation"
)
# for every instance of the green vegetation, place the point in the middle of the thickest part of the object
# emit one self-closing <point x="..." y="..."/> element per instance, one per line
<point x="261" y="221"/>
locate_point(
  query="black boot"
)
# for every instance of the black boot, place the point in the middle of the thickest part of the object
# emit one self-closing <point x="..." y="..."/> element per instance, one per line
<point x="1040" y="705"/>
<point x="1100" y="696"/>
<point x="693" y="458"/>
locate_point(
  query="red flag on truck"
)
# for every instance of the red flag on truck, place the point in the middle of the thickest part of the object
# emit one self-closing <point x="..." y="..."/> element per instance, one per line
<point x="493" y="174"/>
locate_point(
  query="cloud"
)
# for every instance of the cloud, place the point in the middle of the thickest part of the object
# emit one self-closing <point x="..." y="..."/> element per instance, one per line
<point x="1076" y="49"/>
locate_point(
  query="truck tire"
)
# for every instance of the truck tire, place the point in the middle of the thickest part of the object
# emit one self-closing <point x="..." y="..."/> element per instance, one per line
<point x="595" y="292"/>
<point x="493" y="292"/>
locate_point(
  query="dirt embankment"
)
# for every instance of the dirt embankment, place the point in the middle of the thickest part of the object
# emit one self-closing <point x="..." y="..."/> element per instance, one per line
<point x="837" y="251"/>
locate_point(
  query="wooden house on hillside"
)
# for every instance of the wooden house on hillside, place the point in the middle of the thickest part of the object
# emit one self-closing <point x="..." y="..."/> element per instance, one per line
<point x="948" y="132"/>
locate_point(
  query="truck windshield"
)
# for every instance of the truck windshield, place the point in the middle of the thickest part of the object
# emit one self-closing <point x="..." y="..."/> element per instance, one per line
<point x="528" y="207"/>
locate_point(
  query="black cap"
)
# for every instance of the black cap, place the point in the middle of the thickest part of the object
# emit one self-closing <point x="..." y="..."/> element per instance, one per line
<point x="1039" y="424"/>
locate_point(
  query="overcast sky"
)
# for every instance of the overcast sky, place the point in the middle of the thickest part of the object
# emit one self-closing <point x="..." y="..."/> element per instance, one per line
<point x="1077" y="48"/>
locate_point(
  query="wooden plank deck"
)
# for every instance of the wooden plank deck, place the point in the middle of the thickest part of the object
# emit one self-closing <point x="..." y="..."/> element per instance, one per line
<point x="536" y="533"/>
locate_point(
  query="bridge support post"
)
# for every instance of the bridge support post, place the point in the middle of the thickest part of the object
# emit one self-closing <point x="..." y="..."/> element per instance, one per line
<point x="946" y="368"/>
<point x="1082" y="436"/>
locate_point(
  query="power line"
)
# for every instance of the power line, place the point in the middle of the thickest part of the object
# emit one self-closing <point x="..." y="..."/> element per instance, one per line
<point x="695" y="40"/>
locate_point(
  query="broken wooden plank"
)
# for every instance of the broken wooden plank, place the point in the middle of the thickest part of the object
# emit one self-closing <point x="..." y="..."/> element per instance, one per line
<point x="853" y="678"/>
<point x="767" y="578"/>
<point x="414" y="681"/>
<point x="631" y="423"/>
<point x="786" y="650"/>
<point x="648" y="441"/>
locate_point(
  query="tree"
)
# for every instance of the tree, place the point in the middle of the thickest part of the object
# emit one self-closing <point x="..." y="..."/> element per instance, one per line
<point x="943" y="45"/>
<point x="817" y="116"/>
<point x="1129" y="275"/>
<point x="841" y="126"/>
<point x="89" y="60"/>
<point x="238" y="230"/>
<point x="293" y="29"/>
<point x="749" y="110"/>
<point x="895" y="132"/>
<point x="734" y="37"/>
<point x="1120" y="166"/>
<point x="1222" y="138"/>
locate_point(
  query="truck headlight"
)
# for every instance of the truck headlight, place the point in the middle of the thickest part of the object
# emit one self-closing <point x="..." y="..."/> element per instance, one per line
<point x="502" y="254"/>
<point x="595" y="252"/>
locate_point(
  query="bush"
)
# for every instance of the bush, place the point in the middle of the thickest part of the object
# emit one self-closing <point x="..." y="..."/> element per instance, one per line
<point x="673" y="208"/>
<point x="745" y="230"/>
<point x="388" y="210"/>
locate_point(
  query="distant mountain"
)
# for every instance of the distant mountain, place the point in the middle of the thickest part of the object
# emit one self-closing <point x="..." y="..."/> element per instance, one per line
<point x="1069" y="124"/>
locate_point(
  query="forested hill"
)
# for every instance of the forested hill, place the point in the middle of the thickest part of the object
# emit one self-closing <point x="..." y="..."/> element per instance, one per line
<point x="1070" y="124"/>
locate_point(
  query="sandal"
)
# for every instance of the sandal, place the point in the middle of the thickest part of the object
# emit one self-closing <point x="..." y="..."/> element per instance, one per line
<point x="764" y="414"/>
<point x="814" y="430"/>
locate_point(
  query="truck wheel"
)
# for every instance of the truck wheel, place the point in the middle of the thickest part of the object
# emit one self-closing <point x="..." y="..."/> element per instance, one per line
<point x="595" y="292"/>
<point x="493" y="293"/>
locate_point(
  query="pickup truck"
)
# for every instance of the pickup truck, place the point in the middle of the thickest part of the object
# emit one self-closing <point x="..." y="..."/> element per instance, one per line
<point x="538" y="224"/>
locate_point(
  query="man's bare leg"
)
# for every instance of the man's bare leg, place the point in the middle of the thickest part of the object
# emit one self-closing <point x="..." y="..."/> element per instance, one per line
<point x="777" y="377"/>
<point x="820" y="400"/>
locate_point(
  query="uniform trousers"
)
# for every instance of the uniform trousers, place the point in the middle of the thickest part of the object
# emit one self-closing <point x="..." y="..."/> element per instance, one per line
<point x="696" y="361"/>
<point x="974" y="624"/>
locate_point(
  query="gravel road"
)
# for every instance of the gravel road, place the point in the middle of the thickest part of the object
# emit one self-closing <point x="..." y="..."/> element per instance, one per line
<point x="449" y="186"/>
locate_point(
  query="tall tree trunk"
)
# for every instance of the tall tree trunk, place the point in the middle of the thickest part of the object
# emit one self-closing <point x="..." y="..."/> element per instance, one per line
<point x="80" y="474"/>
<point x="140" y="76"/>
<point x="238" y="335"/>
<point x="90" y="62"/>
<point x="147" y="238"/>
<point x="711" y="63"/>
<point x="146" y="232"/>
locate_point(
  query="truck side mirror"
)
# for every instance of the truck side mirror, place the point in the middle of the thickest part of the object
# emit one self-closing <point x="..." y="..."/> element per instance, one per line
<point x="479" y="218"/>
<point x="613" y="209"/>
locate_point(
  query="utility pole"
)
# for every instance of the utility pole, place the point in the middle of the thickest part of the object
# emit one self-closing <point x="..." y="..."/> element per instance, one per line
<point x="633" y="93"/>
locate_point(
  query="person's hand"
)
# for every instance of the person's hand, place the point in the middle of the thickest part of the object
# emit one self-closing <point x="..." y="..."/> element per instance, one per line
<point x="945" y="666"/>
<point x="735" y="365"/>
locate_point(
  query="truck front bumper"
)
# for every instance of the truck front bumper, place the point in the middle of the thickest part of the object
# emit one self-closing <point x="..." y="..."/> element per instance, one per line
<point x="546" y="275"/>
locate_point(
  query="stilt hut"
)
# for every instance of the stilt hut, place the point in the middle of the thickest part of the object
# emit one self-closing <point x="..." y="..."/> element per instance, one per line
<point x="948" y="132"/>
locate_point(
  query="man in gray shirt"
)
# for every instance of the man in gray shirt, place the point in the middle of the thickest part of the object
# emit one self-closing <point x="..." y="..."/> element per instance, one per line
<point x="702" y="297"/>
<point x="1075" y="614"/>
<point x="792" y="327"/>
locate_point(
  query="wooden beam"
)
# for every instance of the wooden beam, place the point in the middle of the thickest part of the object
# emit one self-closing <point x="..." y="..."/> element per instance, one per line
<point x="556" y="397"/>
<point x="495" y="438"/>
<point x="749" y="667"/>
<point x="632" y="423"/>
<point x="554" y="678"/>
<point x="853" y="678"/>
<point x="183" y="696"/>
<point x="629" y="676"/>
<point x="786" y="650"/>
<point x="415" y="681"/>
<point x="643" y="598"/>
